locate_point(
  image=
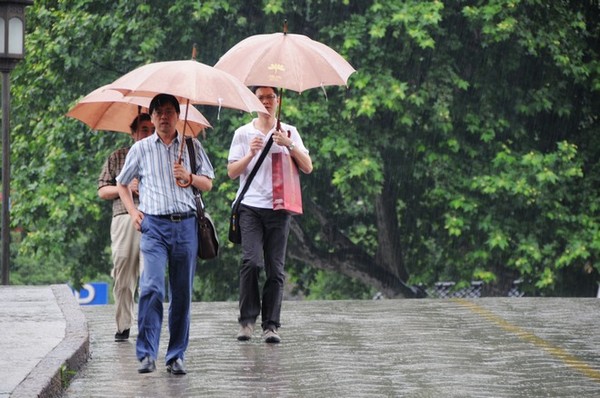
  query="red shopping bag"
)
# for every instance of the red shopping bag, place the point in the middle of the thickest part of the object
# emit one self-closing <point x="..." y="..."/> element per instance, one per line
<point x="287" y="194"/>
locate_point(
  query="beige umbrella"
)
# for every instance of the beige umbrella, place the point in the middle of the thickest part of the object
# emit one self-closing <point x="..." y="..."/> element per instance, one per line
<point x="110" y="110"/>
<point x="192" y="82"/>
<point x="291" y="61"/>
<point x="288" y="61"/>
<point x="189" y="81"/>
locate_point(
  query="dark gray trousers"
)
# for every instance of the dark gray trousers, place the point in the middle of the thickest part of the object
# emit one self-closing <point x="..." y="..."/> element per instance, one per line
<point x="264" y="242"/>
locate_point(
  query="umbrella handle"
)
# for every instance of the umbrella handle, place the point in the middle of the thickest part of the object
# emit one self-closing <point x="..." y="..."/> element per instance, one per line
<point x="279" y="107"/>
<point x="181" y="146"/>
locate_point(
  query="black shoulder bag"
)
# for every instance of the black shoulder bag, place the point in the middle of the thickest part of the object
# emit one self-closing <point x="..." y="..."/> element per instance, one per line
<point x="208" y="242"/>
<point x="235" y="234"/>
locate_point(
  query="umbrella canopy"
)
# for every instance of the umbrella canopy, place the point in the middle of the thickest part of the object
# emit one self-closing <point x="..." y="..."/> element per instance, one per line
<point x="290" y="61"/>
<point x="190" y="81"/>
<point x="104" y="109"/>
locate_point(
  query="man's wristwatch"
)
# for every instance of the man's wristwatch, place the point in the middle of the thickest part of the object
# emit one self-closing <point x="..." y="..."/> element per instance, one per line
<point x="291" y="146"/>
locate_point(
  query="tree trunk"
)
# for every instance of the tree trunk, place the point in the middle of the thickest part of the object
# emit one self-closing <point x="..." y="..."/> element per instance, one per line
<point x="343" y="256"/>
<point x="389" y="251"/>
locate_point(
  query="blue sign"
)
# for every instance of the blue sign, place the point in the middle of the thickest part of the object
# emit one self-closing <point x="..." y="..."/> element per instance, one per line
<point x="94" y="293"/>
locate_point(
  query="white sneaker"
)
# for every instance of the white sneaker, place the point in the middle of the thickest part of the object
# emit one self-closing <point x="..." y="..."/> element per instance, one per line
<point x="271" y="336"/>
<point x="245" y="332"/>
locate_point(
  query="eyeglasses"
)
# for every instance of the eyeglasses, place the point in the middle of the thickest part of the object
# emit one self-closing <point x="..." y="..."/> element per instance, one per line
<point x="269" y="97"/>
<point x="169" y="112"/>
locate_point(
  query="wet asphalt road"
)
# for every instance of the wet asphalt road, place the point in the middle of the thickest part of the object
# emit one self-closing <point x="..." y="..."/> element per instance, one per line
<point x="489" y="347"/>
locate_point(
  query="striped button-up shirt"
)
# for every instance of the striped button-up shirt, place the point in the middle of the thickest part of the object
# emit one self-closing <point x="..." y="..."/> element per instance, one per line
<point x="152" y="162"/>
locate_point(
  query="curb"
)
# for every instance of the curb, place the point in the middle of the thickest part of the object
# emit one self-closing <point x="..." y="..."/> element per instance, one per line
<point x="53" y="373"/>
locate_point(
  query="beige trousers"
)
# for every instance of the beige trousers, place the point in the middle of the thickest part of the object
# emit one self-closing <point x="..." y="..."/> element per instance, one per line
<point x="127" y="267"/>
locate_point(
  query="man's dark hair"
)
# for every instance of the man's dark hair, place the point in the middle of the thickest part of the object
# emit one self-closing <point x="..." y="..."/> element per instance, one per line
<point x="142" y="117"/>
<point x="162" y="99"/>
<point x="254" y="88"/>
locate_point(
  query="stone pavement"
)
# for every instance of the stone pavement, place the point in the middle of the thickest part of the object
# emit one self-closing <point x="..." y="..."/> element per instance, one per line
<point x="43" y="332"/>
<point x="487" y="347"/>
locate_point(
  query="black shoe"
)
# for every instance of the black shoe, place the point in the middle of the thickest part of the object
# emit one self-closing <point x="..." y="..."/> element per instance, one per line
<point x="122" y="336"/>
<point x="175" y="367"/>
<point x="147" y="365"/>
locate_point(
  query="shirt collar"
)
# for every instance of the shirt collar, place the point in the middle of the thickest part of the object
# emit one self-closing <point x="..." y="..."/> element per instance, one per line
<point x="156" y="137"/>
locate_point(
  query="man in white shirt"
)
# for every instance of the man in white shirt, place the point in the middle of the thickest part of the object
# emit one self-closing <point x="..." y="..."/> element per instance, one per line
<point x="264" y="230"/>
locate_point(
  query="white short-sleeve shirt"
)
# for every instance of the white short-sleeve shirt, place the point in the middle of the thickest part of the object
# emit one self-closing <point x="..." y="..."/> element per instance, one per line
<point x="260" y="192"/>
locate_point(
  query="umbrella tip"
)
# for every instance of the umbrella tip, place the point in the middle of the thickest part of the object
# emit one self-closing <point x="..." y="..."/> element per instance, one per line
<point x="285" y="27"/>
<point x="194" y="51"/>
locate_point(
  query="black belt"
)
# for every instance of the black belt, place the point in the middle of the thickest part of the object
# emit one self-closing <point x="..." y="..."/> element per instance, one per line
<point x="177" y="217"/>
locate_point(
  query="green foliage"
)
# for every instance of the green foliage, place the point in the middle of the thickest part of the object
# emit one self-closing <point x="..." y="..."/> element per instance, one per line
<point x="314" y="284"/>
<point x="495" y="151"/>
<point x="465" y="146"/>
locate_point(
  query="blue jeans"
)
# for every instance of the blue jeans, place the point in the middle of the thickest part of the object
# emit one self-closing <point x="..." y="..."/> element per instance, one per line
<point x="264" y="243"/>
<point x="175" y="244"/>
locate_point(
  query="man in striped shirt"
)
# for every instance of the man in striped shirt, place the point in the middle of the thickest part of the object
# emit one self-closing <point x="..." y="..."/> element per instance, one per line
<point x="166" y="218"/>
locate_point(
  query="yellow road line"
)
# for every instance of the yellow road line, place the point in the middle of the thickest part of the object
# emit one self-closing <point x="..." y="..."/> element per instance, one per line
<point x="557" y="352"/>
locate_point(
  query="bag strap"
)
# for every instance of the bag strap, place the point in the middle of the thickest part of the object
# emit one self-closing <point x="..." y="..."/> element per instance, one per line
<point x="192" y="152"/>
<point x="263" y="154"/>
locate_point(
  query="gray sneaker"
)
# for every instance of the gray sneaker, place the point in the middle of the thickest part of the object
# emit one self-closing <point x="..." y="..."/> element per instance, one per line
<point x="271" y="336"/>
<point x="245" y="332"/>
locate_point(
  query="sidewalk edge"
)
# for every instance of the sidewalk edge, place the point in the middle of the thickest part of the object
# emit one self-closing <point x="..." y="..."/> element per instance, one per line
<point x="55" y="370"/>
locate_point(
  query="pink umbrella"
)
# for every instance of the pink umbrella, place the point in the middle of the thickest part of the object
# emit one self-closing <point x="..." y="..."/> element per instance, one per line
<point x="110" y="110"/>
<point x="191" y="82"/>
<point x="284" y="60"/>
<point x="188" y="81"/>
